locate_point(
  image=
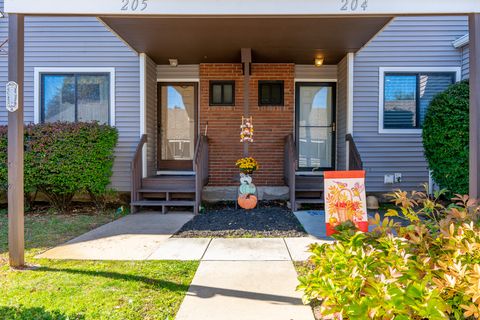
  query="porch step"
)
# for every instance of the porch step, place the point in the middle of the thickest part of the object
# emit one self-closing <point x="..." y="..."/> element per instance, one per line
<point x="169" y="183"/>
<point x="309" y="201"/>
<point x="168" y="203"/>
<point x="169" y="189"/>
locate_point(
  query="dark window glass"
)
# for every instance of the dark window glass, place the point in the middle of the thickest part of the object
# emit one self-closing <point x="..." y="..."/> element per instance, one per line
<point x="75" y="97"/>
<point x="270" y="93"/>
<point x="222" y="93"/>
<point x="408" y="95"/>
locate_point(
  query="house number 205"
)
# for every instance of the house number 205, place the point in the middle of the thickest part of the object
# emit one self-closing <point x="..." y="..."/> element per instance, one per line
<point x="353" y="5"/>
<point x="134" y="5"/>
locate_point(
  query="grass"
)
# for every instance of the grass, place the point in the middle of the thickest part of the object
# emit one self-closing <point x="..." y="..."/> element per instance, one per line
<point x="61" y="290"/>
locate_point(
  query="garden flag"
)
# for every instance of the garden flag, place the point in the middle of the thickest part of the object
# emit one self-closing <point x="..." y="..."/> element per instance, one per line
<point x="345" y="199"/>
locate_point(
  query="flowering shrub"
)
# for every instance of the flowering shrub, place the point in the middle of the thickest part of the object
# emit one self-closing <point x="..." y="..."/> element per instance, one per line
<point x="62" y="159"/>
<point x="247" y="165"/>
<point x="426" y="269"/>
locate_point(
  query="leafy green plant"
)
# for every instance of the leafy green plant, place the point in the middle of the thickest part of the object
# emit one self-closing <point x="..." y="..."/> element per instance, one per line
<point x="426" y="269"/>
<point x="62" y="159"/>
<point x="446" y="138"/>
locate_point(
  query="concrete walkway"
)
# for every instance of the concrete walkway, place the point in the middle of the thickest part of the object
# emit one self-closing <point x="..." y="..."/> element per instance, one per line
<point x="134" y="237"/>
<point x="238" y="279"/>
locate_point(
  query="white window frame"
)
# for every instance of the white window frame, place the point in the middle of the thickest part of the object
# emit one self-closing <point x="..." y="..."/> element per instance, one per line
<point x="381" y="91"/>
<point x="37" y="87"/>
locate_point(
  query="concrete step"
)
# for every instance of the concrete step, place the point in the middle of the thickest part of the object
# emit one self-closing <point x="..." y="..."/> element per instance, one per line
<point x="163" y="203"/>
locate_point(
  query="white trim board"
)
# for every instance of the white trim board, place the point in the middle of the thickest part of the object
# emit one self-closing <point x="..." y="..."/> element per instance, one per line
<point x="40" y="70"/>
<point x="240" y="7"/>
<point x="315" y="80"/>
<point x="350" y="82"/>
<point x="143" y="109"/>
<point x="381" y="89"/>
<point x="177" y="80"/>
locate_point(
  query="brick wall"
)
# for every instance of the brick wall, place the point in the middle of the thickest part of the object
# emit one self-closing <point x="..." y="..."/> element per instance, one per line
<point x="271" y="124"/>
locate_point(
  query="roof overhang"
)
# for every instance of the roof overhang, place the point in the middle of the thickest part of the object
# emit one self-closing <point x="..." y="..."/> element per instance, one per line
<point x="241" y="7"/>
<point x="194" y="40"/>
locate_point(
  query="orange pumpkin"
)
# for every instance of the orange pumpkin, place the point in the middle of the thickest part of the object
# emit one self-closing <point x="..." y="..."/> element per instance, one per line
<point x="248" y="201"/>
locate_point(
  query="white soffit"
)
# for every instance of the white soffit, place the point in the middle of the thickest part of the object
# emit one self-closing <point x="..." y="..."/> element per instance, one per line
<point x="241" y="7"/>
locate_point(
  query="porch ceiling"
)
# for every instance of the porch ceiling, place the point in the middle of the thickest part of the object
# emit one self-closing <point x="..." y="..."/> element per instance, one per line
<point x="194" y="40"/>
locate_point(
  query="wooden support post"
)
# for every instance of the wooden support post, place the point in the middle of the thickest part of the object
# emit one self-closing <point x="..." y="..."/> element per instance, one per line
<point x="474" y="27"/>
<point x="246" y="60"/>
<point x="16" y="236"/>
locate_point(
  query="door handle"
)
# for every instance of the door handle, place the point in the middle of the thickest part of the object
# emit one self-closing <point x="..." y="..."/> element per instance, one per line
<point x="334" y="127"/>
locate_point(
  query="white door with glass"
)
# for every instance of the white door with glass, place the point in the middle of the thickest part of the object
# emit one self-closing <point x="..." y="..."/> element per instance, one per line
<point x="315" y="126"/>
<point x="177" y="125"/>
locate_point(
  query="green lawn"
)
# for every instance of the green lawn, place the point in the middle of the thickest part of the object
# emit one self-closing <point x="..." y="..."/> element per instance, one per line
<point x="86" y="289"/>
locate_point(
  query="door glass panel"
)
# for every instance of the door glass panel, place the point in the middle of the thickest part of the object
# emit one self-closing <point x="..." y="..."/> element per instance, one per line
<point x="177" y="122"/>
<point x="315" y="126"/>
<point x="315" y="147"/>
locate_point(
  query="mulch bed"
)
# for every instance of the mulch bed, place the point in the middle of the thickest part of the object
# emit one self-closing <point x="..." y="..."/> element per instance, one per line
<point x="266" y="221"/>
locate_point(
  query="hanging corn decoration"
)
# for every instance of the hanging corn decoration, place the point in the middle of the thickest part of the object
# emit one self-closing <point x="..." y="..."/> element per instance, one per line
<point x="246" y="134"/>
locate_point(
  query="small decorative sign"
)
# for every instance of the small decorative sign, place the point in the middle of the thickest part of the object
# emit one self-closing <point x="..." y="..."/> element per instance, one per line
<point x="12" y="96"/>
<point x="345" y="199"/>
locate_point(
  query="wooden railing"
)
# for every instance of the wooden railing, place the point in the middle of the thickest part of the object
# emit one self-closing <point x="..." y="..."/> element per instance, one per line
<point x="200" y="164"/>
<point x="290" y="167"/>
<point x="355" y="160"/>
<point x="137" y="169"/>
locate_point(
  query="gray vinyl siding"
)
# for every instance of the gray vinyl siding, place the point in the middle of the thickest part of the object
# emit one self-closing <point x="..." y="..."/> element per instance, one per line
<point x="189" y="72"/>
<point x="310" y="72"/>
<point x="83" y="42"/>
<point x="151" y="115"/>
<point x="405" y="42"/>
<point x="465" y="62"/>
<point x="342" y="92"/>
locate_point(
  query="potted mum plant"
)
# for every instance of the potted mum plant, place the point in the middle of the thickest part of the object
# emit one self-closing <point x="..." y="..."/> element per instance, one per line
<point x="247" y="165"/>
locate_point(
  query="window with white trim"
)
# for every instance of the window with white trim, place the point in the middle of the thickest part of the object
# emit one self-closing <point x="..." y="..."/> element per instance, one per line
<point x="75" y="97"/>
<point x="407" y="95"/>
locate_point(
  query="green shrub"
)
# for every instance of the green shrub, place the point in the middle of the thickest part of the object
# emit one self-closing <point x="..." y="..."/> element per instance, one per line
<point x="426" y="269"/>
<point x="446" y="138"/>
<point x="62" y="159"/>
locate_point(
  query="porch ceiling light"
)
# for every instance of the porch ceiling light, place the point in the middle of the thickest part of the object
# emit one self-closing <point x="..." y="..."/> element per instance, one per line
<point x="173" y="62"/>
<point x="319" y="62"/>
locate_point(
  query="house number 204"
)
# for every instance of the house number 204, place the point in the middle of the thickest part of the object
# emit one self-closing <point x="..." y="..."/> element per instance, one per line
<point x="134" y="5"/>
<point x="353" y="5"/>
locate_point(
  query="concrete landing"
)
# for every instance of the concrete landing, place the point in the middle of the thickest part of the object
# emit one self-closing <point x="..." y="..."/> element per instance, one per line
<point x="244" y="290"/>
<point x="134" y="237"/>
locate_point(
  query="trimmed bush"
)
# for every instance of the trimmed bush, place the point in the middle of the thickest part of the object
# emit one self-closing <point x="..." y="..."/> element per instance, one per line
<point x="62" y="159"/>
<point x="446" y="138"/>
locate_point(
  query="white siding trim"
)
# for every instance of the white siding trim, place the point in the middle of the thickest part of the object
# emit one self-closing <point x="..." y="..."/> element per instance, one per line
<point x="350" y="75"/>
<point x="38" y="71"/>
<point x="381" y="75"/>
<point x="143" y="108"/>
<point x="178" y="79"/>
<point x="236" y="7"/>
<point x="315" y="80"/>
